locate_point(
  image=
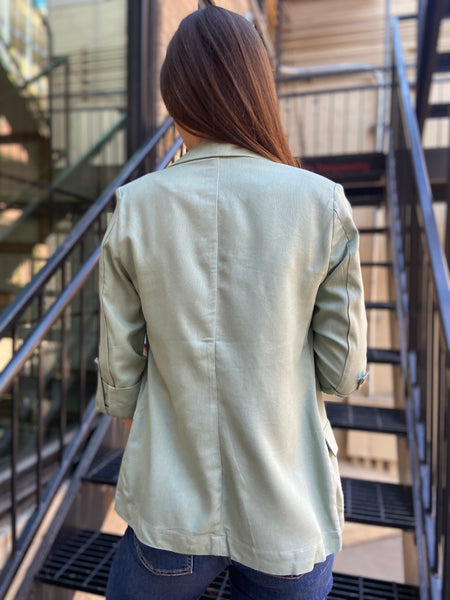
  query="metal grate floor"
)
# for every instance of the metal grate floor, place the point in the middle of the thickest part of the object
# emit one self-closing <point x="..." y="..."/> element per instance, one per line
<point x="375" y="503"/>
<point x="366" y="418"/>
<point x="83" y="563"/>
<point x="346" y="587"/>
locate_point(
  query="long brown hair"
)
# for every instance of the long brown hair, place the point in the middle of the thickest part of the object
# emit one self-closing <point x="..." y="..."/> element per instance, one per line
<point x="217" y="83"/>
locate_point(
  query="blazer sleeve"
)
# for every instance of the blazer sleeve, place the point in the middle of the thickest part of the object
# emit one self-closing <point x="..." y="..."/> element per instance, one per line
<point x="339" y="321"/>
<point x="121" y="360"/>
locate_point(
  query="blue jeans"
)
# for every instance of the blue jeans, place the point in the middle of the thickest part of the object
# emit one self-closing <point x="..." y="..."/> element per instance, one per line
<point x="140" y="572"/>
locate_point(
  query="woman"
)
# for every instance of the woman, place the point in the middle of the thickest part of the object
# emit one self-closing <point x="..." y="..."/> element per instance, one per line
<point x="243" y="271"/>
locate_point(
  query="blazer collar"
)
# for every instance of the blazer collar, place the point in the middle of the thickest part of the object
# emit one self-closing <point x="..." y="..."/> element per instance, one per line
<point x="210" y="149"/>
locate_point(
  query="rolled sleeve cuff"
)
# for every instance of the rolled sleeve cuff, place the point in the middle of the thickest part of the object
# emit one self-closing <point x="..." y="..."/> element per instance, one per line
<point x="347" y="385"/>
<point x="117" y="402"/>
<point x="362" y="379"/>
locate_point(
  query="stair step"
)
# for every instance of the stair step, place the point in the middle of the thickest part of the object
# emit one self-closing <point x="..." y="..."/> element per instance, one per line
<point x="443" y="62"/>
<point x="352" y="170"/>
<point x="439" y="191"/>
<point x="373" y="230"/>
<point x="384" y="356"/>
<point x="83" y="562"/>
<point x="346" y="587"/>
<point x="439" y="111"/>
<point x="106" y="469"/>
<point x="377" y="503"/>
<point x="380" y="264"/>
<point x="380" y="306"/>
<point x="366" y="418"/>
<point x="365" y="196"/>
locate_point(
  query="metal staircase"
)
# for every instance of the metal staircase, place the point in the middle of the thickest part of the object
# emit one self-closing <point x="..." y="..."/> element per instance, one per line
<point x="46" y="390"/>
<point x="56" y="154"/>
<point x="82" y="561"/>
<point x="44" y="217"/>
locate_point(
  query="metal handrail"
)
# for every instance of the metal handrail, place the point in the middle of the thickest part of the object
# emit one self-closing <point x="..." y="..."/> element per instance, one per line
<point x="71" y="453"/>
<point x="29" y="292"/>
<point x="14" y="366"/>
<point x="287" y="74"/>
<point x="332" y="90"/>
<point x="33" y="345"/>
<point x="423" y="306"/>
<point x="437" y="258"/>
<point x="12" y="369"/>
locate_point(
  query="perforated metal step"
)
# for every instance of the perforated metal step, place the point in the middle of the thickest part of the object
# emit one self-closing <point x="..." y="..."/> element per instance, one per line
<point x="366" y="418"/>
<point x="376" y="503"/>
<point x="83" y="562"/>
<point x="346" y="587"/>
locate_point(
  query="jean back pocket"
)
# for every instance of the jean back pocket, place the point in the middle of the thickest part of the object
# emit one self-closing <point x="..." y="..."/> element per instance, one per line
<point x="163" y="562"/>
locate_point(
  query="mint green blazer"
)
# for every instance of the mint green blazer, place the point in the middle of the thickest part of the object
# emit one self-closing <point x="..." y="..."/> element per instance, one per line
<point x="245" y="276"/>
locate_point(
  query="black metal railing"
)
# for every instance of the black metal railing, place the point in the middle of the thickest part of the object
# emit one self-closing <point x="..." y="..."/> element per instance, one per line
<point x="424" y="311"/>
<point x="89" y="100"/>
<point x="334" y="121"/>
<point x="43" y="218"/>
<point x="335" y="109"/>
<point x="45" y="386"/>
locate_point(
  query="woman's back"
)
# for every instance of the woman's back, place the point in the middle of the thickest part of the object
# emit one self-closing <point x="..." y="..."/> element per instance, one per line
<point x="244" y="274"/>
<point x="229" y="254"/>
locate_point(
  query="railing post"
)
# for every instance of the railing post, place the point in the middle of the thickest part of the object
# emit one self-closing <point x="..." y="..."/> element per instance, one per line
<point x="40" y="416"/>
<point x="142" y="19"/>
<point x="63" y="358"/>
<point x="82" y="334"/>
<point x="14" y="450"/>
